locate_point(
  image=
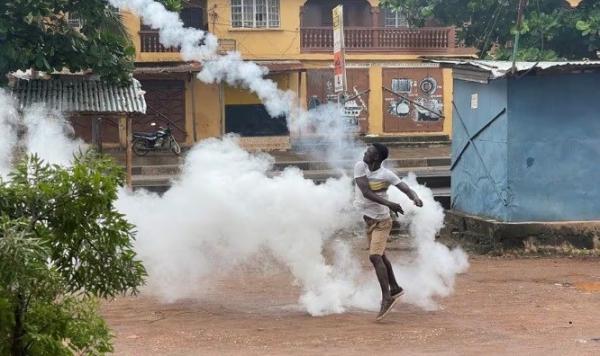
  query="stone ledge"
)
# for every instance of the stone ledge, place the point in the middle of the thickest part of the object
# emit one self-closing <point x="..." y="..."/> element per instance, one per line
<point x="487" y="235"/>
<point x="265" y="143"/>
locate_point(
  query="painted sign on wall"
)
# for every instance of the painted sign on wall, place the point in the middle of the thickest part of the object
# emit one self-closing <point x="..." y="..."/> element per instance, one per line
<point x="414" y="99"/>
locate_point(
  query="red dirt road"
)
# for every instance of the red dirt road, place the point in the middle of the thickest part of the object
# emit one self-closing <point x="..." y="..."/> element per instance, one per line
<point x="501" y="306"/>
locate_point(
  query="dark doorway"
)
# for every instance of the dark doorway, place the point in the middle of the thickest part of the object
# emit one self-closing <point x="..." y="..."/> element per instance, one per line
<point x="253" y="120"/>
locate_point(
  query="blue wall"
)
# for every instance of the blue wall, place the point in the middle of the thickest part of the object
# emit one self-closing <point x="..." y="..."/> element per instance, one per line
<point x="473" y="191"/>
<point x="554" y="147"/>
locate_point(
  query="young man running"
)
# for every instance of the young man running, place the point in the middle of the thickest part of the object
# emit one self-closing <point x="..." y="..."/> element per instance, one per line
<point x="372" y="181"/>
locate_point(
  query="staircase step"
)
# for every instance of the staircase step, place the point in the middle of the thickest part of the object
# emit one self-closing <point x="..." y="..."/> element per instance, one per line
<point x="405" y="139"/>
<point x="156" y="170"/>
<point x="348" y="164"/>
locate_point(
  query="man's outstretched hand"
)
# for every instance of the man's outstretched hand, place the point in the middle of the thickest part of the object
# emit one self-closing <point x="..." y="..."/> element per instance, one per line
<point x="396" y="208"/>
<point x="418" y="202"/>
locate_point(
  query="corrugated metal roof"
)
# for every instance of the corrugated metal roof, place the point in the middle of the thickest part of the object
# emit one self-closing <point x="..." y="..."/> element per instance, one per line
<point x="498" y="69"/>
<point x="80" y="94"/>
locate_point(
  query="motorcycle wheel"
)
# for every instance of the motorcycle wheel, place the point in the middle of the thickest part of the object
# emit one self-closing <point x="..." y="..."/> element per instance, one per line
<point x="139" y="148"/>
<point x="175" y="148"/>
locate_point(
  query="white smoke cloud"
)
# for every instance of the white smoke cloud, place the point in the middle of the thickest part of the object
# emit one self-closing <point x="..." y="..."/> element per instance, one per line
<point x="50" y="136"/>
<point x="433" y="271"/>
<point x="8" y="127"/>
<point x="44" y="133"/>
<point x="224" y="209"/>
<point x="327" y="121"/>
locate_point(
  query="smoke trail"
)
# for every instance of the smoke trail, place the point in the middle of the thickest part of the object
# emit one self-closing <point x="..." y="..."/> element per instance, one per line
<point x="202" y="46"/>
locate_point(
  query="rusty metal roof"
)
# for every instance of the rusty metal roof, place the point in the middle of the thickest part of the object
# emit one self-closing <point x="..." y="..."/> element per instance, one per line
<point x="499" y="69"/>
<point x="80" y="94"/>
<point x="167" y="67"/>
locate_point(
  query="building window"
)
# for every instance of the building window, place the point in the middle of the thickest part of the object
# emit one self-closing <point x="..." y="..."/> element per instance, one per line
<point x="401" y="85"/>
<point x="193" y="17"/>
<point x="255" y="13"/>
<point x="394" y="18"/>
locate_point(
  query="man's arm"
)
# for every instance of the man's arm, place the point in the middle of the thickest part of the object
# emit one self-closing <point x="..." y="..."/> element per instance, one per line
<point x="363" y="185"/>
<point x="409" y="193"/>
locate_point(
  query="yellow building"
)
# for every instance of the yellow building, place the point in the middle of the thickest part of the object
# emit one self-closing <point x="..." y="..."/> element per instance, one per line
<point x="294" y="39"/>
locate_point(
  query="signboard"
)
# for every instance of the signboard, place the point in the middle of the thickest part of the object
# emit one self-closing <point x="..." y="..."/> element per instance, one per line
<point x="474" y="101"/>
<point x="339" y="62"/>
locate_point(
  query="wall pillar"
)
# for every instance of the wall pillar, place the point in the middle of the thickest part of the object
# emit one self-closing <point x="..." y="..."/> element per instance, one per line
<point x="375" y="101"/>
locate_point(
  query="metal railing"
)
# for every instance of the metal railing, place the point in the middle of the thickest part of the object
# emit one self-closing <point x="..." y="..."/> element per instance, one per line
<point x="149" y="43"/>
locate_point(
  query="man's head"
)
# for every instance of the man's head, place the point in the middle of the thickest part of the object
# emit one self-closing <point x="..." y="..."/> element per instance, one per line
<point x="375" y="153"/>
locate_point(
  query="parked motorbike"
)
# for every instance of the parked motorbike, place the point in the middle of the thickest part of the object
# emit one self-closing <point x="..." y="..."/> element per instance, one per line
<point x="159" y="140"/>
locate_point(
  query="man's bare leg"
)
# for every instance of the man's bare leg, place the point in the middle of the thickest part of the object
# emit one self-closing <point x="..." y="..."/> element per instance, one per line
<point x="387" y="302"/>
<point x="395" y="289"/>
<point x="382" y="275"/>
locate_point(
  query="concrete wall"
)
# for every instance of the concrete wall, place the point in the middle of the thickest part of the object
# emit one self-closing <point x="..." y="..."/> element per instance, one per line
<point x="554" y="147"/>
<point x="480" y="188"/>
<point x="207" y="109"/>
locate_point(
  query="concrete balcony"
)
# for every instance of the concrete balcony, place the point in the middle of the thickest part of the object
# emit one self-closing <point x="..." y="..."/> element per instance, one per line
<point x="433" y="40"/>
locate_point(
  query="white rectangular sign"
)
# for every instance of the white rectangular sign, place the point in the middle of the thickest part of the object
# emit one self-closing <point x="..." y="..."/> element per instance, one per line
<point x="339" y="61"/>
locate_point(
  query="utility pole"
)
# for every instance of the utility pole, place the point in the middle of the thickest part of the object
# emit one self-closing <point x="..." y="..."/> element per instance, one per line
<point x="520" y="9"/>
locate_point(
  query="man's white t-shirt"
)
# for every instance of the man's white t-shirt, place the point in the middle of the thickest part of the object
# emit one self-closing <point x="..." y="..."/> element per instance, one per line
<point x="379" y="181"/>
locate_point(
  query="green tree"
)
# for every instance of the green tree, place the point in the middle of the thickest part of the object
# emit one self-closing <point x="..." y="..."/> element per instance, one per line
<point x="62" y="245"/>
<point x="550" y="29"/>
<point x="36" y="34"/>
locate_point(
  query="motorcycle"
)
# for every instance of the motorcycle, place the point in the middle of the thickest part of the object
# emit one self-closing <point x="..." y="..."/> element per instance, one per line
<point x="161" y="139"/>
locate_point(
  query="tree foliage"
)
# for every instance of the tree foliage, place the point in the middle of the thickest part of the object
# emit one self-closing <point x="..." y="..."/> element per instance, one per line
<point x="36" y="34"/>
<point x="550" y="30"/>
<point x="62" y="245"/>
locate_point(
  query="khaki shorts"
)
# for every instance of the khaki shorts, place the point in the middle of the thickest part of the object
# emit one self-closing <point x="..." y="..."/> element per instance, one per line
<point x="378" y="232"/>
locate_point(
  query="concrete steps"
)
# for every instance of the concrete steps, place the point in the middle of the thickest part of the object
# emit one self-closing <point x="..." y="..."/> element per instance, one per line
<point x="158" y="179"/>
<point x="427" y="156"/>
<point x="390" y="141"/>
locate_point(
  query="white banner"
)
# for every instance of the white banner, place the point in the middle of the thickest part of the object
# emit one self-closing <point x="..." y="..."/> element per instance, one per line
<point x="339" y="61"/>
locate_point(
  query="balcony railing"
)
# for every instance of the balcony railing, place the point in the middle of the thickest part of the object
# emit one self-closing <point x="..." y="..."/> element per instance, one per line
<point x="368" y="39"/>
<point x="150" y="43"/>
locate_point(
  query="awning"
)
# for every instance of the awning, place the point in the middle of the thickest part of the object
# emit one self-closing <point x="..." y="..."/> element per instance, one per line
<point x="282" y="66"/>
<point x="194" y="67"/>
<point x="167" y="67"/>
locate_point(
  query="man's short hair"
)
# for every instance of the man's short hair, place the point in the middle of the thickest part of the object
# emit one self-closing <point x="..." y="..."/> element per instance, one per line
<point x="382" y="151"/>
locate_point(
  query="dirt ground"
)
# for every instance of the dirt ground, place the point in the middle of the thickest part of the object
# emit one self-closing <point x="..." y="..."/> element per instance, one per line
<point x="532" y="306"/>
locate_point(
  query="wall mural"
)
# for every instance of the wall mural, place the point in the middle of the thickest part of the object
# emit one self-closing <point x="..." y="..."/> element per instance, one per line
<point x="418" y="105"/>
